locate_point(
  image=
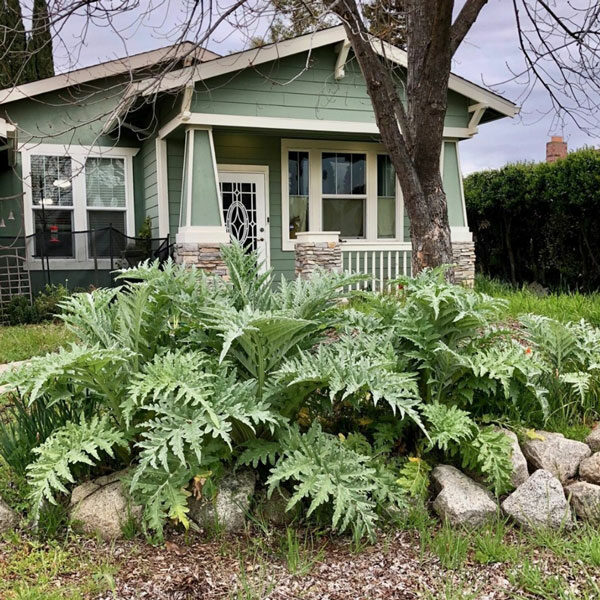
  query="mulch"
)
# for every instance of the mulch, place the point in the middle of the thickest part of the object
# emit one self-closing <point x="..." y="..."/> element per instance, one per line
<point x="246" y="567"/>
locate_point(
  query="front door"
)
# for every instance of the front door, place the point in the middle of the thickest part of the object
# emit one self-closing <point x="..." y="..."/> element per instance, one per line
<point x="245" y="209"/>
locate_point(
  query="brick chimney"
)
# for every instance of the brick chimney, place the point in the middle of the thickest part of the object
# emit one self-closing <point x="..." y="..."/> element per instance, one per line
<point x="556" y="148"/>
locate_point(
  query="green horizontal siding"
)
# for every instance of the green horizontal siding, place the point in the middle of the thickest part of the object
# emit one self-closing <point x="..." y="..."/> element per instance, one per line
<point x="452" y="185"/>
<point x="287" y="88"/>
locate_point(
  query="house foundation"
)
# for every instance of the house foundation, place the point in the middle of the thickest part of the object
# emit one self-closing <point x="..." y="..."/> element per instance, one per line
<point x="317" y="250"/>
<point x="464" y="259"/>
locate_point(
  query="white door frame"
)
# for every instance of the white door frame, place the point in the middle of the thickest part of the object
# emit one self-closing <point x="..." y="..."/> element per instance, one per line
<point x="255" y="170"/>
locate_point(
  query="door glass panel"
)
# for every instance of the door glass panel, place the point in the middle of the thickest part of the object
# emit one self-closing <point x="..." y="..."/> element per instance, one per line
<point x="239" y="212"/>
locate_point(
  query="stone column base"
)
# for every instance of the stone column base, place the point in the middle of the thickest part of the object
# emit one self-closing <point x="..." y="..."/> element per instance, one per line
<point x="319" y="250"/>
<point x="206" y="256"/>
<point x="464" y="259"/>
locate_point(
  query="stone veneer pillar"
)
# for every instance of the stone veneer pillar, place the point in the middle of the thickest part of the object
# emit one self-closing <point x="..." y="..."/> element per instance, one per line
<point x="205" y="255"/>
<point x="317" y="249"/>
<point x="464" y="259"/>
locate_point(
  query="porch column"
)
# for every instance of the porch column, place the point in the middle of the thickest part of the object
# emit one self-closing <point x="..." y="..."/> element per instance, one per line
<point x="317" y="250"/>
<point x="463" y="251"/>
<point x="201" y="230"/>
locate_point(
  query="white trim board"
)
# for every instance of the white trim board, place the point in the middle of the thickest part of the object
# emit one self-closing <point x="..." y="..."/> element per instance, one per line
<point x="289" y="124"/>
<point x="106" y="69"/>
<point x="304" y="43"/>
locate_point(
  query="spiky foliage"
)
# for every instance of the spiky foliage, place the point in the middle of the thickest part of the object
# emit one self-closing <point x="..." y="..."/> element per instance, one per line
<point x="481" y="449"/>
<point x="73" y="444"/>
<point x="177" y="374"/>
<point x="569" y="355"/>
<point x="330" y="474"/>
<point x="356" y="371"/>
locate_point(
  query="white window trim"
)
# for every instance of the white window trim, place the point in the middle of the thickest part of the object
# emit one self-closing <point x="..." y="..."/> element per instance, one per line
<point x="314" y="149"/>
<point x="78" y="154"/>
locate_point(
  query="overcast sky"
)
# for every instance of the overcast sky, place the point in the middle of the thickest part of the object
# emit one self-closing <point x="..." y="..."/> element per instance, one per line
<point x="484" y="58"/>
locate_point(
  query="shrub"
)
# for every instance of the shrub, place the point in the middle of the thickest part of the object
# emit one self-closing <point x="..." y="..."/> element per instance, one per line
<point x="45" y="306"/>
<point x="190" y="375"/>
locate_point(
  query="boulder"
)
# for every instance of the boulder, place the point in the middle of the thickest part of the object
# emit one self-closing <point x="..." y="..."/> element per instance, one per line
<point x="555" y="453"/>
<point x="520" y="473"/>
<point x="102" y="506"/>
<point x="227" y="511"/>
<point x="461" y="500"/>
<point x="272" y="510"/>
<point x="585" y="500"/>
<point x="589" y="469"/>
<point x="539" y="502"/>
<point x="593" y="440"/>
<point x="8" y="518"/>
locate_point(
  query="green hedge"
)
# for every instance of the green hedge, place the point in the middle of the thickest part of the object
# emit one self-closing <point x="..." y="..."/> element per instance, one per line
<point x="539" y="222"/>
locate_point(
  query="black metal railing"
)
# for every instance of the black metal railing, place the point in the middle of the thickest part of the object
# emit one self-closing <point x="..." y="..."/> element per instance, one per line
<point x="95" y="250"/>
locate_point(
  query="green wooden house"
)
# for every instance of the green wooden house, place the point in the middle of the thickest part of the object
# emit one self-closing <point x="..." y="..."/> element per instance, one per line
<point x="276" y="146"/>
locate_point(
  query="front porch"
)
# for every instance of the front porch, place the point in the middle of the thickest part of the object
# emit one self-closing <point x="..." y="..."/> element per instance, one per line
<point x="293" y="198"/>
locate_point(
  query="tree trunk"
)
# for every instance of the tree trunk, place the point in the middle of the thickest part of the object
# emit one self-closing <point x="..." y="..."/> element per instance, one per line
<point x="413" y="135"/>
<point x="509" y="250"/>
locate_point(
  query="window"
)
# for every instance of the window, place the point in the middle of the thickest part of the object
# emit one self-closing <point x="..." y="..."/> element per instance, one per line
<point x="52" y="198"/>
<point x="344" y="193"/>
<point x="78" y="191"/>
<point x="298" y="171"/>
<point x="105" y="201"/>
<point x="386" y="198"/>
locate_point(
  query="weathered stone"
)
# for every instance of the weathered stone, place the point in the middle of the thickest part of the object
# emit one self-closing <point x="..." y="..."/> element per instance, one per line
<point x="463" y="254"/>
<point x="593" y="440"/>
<point x="461" y="501"/>
<point x="8" y="518"/>
<point x="539" y="502"/>
<point x="589" y="468"/>
<point x="227" y="511"/>
<point x="585" y="500"/>
<point x="520" y="473"/>
<point x="203" y="256"/>
<point x="556" y="453"/>
<point x="273" y="509"/>
<point x="103" y="506"/>
<point x="311" y="256"/>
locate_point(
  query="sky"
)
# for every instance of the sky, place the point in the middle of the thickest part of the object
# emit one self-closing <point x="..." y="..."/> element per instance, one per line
<point x="486" y="57"/>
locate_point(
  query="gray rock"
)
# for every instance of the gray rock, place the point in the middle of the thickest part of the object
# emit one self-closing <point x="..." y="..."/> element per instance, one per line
<point x="539" y="502"/>
<point x="589" y="469"/>
<point x="8" y="518"/>
<point x="461" y="501"/>
<point x="228" y="510"/>
<point x="273" y="509"/>
<point x="102" y="506"/>
<point x="556" y="454"/>
<point x="593" y="440"/>
<point x="585" y="500"/>
<point x="520" y="473"/>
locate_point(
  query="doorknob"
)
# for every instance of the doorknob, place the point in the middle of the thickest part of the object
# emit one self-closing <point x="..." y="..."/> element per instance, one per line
<point x="261" y="239"/>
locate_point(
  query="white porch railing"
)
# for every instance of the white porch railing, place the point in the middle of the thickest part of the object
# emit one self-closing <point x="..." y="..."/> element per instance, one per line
<point x="383" y="263"/>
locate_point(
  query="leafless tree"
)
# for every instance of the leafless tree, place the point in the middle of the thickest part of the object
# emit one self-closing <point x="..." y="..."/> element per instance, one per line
<point x="559" y="42"/>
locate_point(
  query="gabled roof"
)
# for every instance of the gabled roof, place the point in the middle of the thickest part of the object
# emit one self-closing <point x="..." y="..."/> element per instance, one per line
<point x="105" y="69"/>
<point x="263" y="54"/>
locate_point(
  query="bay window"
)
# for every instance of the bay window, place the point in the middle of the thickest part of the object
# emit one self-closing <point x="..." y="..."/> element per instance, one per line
<point x="349" y="187"/>
<point x="74" y="197"/>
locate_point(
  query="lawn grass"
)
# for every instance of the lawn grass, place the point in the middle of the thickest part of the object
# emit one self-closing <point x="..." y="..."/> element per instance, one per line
<point x="561" y="306"/>
<point x="24" y="341"/>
